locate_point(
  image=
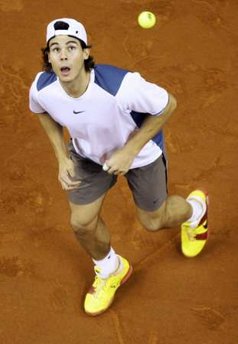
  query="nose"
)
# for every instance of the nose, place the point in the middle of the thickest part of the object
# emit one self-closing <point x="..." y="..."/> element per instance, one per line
<point x="63" y="55"/>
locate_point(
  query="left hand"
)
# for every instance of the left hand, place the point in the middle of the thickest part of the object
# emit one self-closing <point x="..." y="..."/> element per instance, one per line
<point x="120" y="162"/>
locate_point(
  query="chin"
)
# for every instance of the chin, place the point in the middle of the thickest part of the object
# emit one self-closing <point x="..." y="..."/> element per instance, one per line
<point x="65" y="78"/>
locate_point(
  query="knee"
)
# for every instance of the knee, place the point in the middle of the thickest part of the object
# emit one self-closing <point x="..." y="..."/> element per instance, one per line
<point x="82" y="226"/>
<point x="152" y="226"/>
<point x="149" y="222"/>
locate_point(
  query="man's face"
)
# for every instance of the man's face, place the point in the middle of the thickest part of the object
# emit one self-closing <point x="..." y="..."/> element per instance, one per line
<point x="67" y="57"/>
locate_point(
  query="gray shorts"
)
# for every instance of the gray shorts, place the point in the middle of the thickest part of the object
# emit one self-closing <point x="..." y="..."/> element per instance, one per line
<point x="148" y="184"/>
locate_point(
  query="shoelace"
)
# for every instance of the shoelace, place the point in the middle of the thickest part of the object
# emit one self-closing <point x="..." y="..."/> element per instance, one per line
<point x="191" y="233"/>
<point x="100" y="283"/>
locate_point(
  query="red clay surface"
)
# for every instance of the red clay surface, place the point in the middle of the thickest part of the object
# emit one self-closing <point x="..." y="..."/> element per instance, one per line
<point x="44" y="274"/>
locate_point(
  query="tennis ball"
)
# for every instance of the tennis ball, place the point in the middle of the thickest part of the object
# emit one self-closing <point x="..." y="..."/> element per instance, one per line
<point x="146" y="19"/>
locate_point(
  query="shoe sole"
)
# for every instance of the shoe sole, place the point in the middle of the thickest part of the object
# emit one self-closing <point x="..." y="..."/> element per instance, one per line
<point x="123" y="281"/>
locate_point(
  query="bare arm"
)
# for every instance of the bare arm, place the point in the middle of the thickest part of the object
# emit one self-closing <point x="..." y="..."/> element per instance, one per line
<point x="122" y="159"/>
<point x="55" y="134"/>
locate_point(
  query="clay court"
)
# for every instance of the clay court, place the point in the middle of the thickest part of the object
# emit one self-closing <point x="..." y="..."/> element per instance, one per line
<point x="170" y="299"/>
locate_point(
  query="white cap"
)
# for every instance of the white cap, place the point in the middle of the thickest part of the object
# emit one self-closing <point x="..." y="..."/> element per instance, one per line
<point x="72" y="28"/>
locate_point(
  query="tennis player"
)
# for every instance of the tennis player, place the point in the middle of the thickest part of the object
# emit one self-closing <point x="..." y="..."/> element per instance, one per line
<point x="115" y="119"/>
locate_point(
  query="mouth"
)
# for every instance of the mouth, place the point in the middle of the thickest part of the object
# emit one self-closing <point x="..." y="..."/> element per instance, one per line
<point x="65" y="71"/>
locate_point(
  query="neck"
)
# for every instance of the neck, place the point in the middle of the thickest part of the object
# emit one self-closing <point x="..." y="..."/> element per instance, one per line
<point x="77" y="87"/>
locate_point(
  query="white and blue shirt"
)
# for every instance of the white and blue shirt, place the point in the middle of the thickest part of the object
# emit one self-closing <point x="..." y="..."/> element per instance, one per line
<point x="102" y="119"/>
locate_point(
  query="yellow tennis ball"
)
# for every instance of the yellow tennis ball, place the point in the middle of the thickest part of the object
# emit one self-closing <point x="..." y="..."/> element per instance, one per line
<point x="146" y="19"/>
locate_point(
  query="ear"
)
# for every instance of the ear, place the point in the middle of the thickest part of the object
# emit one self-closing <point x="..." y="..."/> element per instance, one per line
<point x="86" y="53"/>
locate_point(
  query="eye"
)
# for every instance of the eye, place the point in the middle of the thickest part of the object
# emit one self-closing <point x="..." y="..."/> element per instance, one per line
<point x="55" y="49"/>
<point x="71" y="47"/>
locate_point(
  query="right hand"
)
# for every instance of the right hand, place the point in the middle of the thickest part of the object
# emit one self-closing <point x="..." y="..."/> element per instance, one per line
<point x="66" y="175"/>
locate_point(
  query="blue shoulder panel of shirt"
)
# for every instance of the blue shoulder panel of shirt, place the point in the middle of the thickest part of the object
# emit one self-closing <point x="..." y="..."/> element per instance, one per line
<point x="45" y="79"/>
<point x="109" y="77"/>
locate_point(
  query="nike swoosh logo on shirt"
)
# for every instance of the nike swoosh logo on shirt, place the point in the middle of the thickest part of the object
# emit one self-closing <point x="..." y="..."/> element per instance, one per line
<point x="77" y="112"/>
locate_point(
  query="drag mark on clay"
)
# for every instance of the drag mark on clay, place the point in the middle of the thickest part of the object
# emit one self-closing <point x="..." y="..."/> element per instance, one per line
<point x="117" y="325"/>
<point x="210" y="13"/>
<point x="209" y="317"/>
<point x="206" y="3"/>
<point x="153" y="256"/>
<point x="58" y="298"/>
<point x="153" y="339"/>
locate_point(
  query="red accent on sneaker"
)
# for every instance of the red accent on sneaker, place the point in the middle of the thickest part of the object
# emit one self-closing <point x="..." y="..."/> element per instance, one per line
<point x="91" y="290"/>
<point x="202" y="236"/>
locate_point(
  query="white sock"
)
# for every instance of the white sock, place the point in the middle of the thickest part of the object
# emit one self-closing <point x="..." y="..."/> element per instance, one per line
<point x="108" y="264"/>
<point x="199" y="209"/>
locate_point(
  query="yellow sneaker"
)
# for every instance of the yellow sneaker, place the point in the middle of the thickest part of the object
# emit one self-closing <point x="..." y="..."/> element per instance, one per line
<point x="101" y="294"/>
<point x="193" y="240"/>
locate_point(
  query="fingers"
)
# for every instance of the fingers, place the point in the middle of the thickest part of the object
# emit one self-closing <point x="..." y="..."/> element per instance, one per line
<point x="67" y="175"/>
<point x="119" y="173"/>
<point x="71" y="172"/>
<point x="67" y="182"/>
<point x="111" y="170"/>
<point x="68" y="187"/>
<point x="116" y="172"/>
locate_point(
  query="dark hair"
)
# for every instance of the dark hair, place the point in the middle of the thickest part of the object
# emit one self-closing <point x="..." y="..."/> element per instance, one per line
<point x="88" y="64"/>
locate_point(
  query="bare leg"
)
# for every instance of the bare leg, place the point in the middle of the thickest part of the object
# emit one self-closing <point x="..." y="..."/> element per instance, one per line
<point x="90" y="229"/>
<point x="174" y="211"/>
